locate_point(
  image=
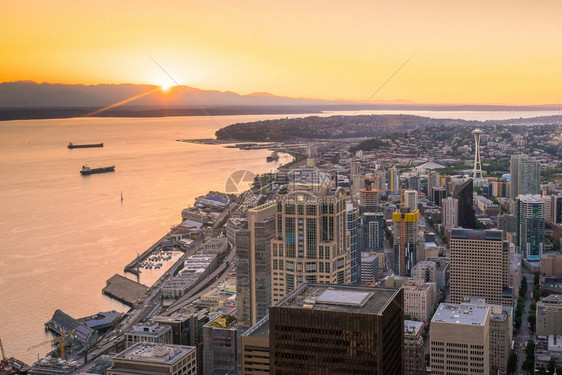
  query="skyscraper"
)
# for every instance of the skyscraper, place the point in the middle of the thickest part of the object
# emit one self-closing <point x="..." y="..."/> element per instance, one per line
<point x="354" y="229"/>
<point x="393" y="180"/>
<point x="529" y="210"/>
<point x="433" y="180"/>
<point x="449" y="213"/>
<point x="480" y="266"/>
<point x="373" y="231"/>
<point x="477" y="173"/>
<point x="410" y="199"/>
<point x="329" y="329"/>
<point x="466" y="215"/>
<point x="369" y="198"/>
<point x="253" y="265"/>
<point x="355" y="178"/>
<point x="525" y="175"/>
<point x="312" y="242"/>
<point x="405" y="240"/>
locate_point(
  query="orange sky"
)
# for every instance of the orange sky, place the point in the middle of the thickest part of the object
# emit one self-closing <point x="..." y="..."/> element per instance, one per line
<point x="507" y="52"/>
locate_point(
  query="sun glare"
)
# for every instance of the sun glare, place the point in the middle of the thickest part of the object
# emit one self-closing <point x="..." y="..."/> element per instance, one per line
<point x="166" y="86"/>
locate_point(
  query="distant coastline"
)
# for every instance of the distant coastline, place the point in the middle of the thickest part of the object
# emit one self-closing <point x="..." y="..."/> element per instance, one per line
<point x="8" y="114"/>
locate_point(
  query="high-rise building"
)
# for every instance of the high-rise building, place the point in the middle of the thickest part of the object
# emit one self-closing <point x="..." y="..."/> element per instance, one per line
<point x="405" y="234"/>
<point x="439" y="193"/>
<point x="529" y="210"/>
<point x="433" y="180"/>
<point x="151" y="358"/>
<point x="220" y="346"/>
<point x="449" y="213"/>
<point x="477" y="173"/>
<point x="354" y="229"/>
<point x="549" y="315"/>
<point x="355" y="177"/>
<point x="253" y="265"/>
<point x="414" y="360"/>
<point x="410" y="199"/>
<point x="312" y="242"/>
<point x="460" y="342"/>
<point x="321" y="329"/>
<point x="414" y="183"/>
<point x="369" y="198"/>
<point x="464" y="195"/>
<point x="369" y="268"/>
<point x="480" y="266"/>
<point x="393" y="180"/>
<point x="373" y="231"/>
<point x="525" y="175"/>
<point x="556" y="209"/>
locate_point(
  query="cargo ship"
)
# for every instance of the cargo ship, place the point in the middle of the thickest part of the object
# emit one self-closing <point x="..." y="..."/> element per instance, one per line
<point x="272" y="157"/>
<point x="87" y="170"/>
<point x="72" y="145"/>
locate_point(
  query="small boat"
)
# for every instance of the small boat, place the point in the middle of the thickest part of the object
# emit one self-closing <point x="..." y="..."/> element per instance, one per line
<point x="88" y="171"/>
<point x="272" y="157"/>
<point x="72" y="145"/>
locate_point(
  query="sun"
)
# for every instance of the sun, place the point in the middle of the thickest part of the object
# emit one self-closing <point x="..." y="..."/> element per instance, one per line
<point x="165" y="86"/>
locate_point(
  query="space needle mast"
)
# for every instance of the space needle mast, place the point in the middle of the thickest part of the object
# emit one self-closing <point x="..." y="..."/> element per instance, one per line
<point x="477" y="164"/>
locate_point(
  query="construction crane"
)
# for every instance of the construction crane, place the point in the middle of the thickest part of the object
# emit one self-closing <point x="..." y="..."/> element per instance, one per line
<point x="61" y="340"/>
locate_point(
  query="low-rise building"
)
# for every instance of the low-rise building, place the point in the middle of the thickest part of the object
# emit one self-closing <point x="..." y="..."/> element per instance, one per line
<point x="150" y="358"/>
<point x="551" y="264"/>
<point x="148" y="332"/>
<point x="549" y="316"/>
<point x="255" y="349"/>
<point x="220" y="343"/>
<point x="419" y="298"/>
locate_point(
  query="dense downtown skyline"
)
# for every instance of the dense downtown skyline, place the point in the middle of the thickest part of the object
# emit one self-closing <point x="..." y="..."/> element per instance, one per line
<point x="463" y="52"/>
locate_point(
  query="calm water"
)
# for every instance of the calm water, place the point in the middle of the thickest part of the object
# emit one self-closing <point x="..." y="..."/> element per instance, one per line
<point x="64" y="235"/>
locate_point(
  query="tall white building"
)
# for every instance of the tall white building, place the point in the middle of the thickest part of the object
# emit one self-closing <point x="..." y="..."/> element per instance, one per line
<point x="529" y="210"/>
<point x="450" y="213"/>
<point x="410" y="199"/>
<point x="525" y="175"/>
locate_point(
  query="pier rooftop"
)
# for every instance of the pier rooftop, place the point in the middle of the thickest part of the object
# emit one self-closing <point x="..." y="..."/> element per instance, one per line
<point x="124" y="290"/>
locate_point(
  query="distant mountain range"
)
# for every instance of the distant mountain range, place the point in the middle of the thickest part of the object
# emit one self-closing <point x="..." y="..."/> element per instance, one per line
<point x="31" y="100"/>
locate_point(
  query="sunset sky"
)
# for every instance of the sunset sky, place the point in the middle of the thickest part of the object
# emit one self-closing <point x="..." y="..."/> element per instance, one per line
<point x="489" y="52"/>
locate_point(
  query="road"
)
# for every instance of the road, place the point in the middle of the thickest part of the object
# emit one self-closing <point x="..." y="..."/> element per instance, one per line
<point x="524" y="334"/>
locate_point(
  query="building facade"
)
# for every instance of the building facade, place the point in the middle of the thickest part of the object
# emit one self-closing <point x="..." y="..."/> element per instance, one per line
<point x="414" y="359"/>
<point x="529" y="210"/>
<point x="148" y="332"/>
<point x="320" y="329"/>
<point x="405" y="233"/>
<point x="354" y="229"/>
<point x="312" y="243"/>
<point x="150" y="358"/>
<point x="450" y="213"/>
<point x="464" y="194"/>
<point x="480" y="266"/>
<point x="525" y="175"/>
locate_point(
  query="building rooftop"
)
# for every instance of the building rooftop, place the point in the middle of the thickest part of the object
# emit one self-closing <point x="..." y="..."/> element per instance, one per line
<point x="152" y="329"/>
<point x="412" y="327"/>
<point x="461" y="314"/>
<point x="530" y="198"/>
<point x="339" y="298"/>
<point x="471" y="234"/>
<point x="151" y="352"/>
<point x="260" y="329"/>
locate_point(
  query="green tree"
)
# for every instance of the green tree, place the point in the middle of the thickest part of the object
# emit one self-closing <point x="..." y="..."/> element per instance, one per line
<point x="512" y="363"/>
<point x="532" y="319"/>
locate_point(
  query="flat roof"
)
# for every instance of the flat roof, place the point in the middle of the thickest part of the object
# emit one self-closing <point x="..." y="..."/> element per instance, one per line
<point x="260" y="329"/>
<point x="411" y="326"/>
<point x="471" y="234"/>
<point x="151" y="352"/>
<point x="343" y="298"/>
<point x="461" y="314"/>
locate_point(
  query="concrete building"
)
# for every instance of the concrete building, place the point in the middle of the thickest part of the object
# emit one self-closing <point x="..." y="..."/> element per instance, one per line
<point x="529" y="210"/>
<point x="556" y="209"/>
<point x="405" y="233"/>
<point x="372" y="231"/>
<point x="220" y="346"/>
<point x="480" y="266"/>
<point x="442" y="271"/>
<point x="546" y="350"/>
<point x="410" y="199"/>
<point x="525" y="175"/>
<point x="393" y="180"/>
<point x="549" y="315"/>
<point x="485" y="205"/>
<point x="255" y="349"/>
<point x="148" y="332"/>
<point x="150" y="358"/>
<point x="419" y="298"/>
<point x="433" y="181"/>
<point x="370" y="271"/>
<point x="439" y="193"/>
<point x="354" y="229"/>
<point x="425" y="271"/>
<point x="369" y="198"/>
<point x="551" y="264"/>
<point x="464" y="194"/>
<point x="355" y="178"/>
<point x="501" y="334"/>
<point x="321" y="329"/>
<point x="449" y="212"/>
<point x="507" y="223"/>
<point x="253" y="265"/>
<point x="414" y="360"/>
<point x="460" y="339"/>
<point x="312" y="242"/>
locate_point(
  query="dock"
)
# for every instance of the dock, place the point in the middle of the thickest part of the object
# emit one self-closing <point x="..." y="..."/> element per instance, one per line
<point x="132" y="266"/>
<point x="124" y="290"/>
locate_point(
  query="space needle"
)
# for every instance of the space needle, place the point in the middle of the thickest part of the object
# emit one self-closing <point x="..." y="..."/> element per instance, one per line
<point x="477" y="164"/>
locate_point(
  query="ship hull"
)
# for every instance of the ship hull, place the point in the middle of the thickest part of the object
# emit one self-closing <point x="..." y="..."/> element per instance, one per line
<point x="97" y="170"/>
<point x="71" y="146"/>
